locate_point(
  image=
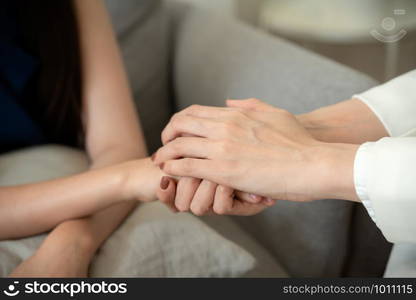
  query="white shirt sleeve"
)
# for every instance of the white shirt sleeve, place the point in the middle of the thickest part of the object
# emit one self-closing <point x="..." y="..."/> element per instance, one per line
<point x="384" y="175"/>
<point x="385" y="171"/>
<point x="394" y="103"/>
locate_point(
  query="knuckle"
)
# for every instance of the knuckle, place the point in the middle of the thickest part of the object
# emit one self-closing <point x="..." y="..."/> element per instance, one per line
<point x="182" y="207"/>
<point x="254" y="100"/>
<point x="177" y="145"/>
<point x="236" y="114"/>
<point x="164" y="136"/>
<point x="174" y="117"/>
<point x="187" y="165"/>
<point x="220" y="210"/>
<point x="221" y="189"/>
<point x="239" y="110"/>
<point x="228" y="129"/>
<point x="198" y="210"/>
<point x="239" y="115"/>
<point x="193" y="107"/>
<point x="176" y="121"/>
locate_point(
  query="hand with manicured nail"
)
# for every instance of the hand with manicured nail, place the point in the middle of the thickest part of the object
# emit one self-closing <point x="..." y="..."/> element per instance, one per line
<point x="254" y="147"/>
<point x="203" y="197"/>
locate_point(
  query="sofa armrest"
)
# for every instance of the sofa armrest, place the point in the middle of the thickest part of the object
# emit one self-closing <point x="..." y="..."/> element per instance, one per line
<point x="217" y="58"/>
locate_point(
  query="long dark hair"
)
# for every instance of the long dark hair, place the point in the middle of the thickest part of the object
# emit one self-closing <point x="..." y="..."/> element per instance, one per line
<point x="50" y="31"/>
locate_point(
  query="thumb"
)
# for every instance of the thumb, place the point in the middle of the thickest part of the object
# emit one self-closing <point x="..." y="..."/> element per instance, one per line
<point x="251" y="104"/>
<point x="167" y="192"/>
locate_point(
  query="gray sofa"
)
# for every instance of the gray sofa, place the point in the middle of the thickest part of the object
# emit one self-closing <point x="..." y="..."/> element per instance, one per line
<point x="177" y="55"/>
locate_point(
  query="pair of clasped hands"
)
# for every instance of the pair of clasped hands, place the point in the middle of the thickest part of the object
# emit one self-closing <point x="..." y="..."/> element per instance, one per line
<point x="240" y="159"/>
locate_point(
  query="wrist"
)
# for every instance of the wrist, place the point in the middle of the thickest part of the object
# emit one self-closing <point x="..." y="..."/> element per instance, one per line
<point x="320" y="125"/>
<point x="351" y="122"/>
<point x="335" y="166"/>
<point x="140" y="180"/>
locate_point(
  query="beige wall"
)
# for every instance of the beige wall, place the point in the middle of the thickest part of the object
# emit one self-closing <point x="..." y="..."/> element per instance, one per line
<point x="220" y="6"/>
<point x="248" y="10"/>
<point x="245" y="9"/>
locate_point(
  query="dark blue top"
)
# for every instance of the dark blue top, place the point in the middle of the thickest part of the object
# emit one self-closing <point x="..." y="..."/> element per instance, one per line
<point x="17" y="69"/>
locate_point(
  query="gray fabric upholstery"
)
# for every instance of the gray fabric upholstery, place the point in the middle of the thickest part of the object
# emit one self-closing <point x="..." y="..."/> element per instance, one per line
<point x="218" y="58"/>
<point x="142" y="31"/>
<point x="266" y="264"/>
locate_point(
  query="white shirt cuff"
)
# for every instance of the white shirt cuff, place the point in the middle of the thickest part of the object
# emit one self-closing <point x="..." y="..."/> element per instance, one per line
<point x="384" y="173"/>
<point x="361" y="170"/>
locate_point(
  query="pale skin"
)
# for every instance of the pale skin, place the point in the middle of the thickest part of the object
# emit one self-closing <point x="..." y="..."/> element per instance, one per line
<point x="83" y="210"/>
<point x="285" y="157"/>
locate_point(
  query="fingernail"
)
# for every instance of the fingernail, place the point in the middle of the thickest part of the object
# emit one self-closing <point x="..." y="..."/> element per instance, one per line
<point x="256" y="197"/>
<point x="164" y="183"/>
<point x="269" y="200"/>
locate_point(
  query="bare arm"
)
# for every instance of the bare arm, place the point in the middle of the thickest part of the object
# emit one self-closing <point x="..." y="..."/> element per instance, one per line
<point x="113" y="132"/>
<point x="349" y="121"/>
<point x="35" y="208"/>
<point x="113" y="136"/>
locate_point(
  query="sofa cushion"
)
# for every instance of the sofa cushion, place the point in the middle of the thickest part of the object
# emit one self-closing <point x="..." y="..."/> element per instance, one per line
<point x="142" y="32"/>
<point x="266" y="264"/>
<point x="154" y="242"/>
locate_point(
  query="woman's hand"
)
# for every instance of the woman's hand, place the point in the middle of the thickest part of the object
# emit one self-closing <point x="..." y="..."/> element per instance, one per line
<point x="257" y="148"/>
<point x="139" y="180"/>
<point x="203" y="197"/>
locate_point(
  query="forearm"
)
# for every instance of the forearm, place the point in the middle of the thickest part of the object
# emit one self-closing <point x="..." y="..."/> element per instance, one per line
<point x="346" y="122"/>
<point x="333" y="164"/>
<point x="341" y="128"/>
<point x="87" y="234"/>
<point x="34" y="208"/>
<point x="113" y="133"/>
<point x="99" y="226"/>
<point x="95" y="229"/>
